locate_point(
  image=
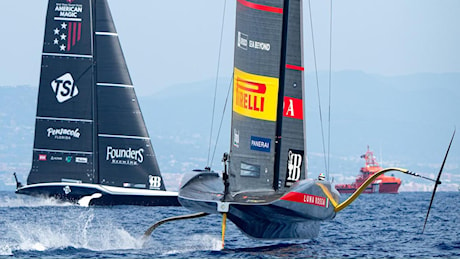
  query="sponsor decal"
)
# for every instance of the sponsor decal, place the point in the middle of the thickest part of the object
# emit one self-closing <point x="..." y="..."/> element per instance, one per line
<point x="292" y="107"/>
<point x="294" y="167"/>
<point x="63" y="133"/>
<point x="42" y="157"/>
<point x="56" y="158"/>
<point x="67" y="189"/>
<point x="255" y="96"/>
<point x="124" y="156"/>
<point x="244" y="42"/>
<point x="260" y="144"/>
<point x="64" y="87"/>
<point x="68" y="159"/>
<point x="236" y="138"/>
<point x="307" y="199"/>
<point x="155" y="182"/>
<point x="68" y="9"/>
<point x="67" y="32"/>
<point x="81" y="160"/>
<point x="259" y="45"/>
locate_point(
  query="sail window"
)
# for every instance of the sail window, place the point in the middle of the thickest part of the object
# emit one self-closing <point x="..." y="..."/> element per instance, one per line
<point x="249" y="170"/>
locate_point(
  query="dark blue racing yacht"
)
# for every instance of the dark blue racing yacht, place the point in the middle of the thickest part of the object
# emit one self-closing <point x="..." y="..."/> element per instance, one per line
<point x="91" y="145"/>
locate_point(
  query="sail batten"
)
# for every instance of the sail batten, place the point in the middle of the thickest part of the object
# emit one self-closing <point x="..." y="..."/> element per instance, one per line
<point x="67" y="19"/>
<point x="106" y="33"/>
<point x="125" y="136"/>
<point x="114" y="85"/>
<point x="62" y="151"/>
<point x="64" y="119"/>
<point x="67" y="55"/>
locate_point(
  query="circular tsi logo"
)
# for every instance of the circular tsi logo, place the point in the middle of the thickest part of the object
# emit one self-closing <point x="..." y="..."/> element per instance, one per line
<point x="64" y="87"/>
<point x="67" y="189"/>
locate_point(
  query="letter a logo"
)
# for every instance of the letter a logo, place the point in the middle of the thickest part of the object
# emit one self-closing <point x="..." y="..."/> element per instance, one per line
<point x="64" y="87"/>
<point x="293" y="107"/>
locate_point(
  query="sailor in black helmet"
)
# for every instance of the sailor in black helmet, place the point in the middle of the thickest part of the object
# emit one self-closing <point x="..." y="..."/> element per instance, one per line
<point x="321" y="177"/>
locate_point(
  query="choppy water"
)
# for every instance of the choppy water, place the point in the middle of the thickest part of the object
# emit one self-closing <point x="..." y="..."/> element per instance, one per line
<point x="374" y="226"/>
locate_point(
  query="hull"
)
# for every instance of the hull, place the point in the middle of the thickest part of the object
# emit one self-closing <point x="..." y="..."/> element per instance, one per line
<point x="101" y="195"/>
<point x="294" y="214"/>
<point x="389" y="187"/>
<point x="373" y="188"/>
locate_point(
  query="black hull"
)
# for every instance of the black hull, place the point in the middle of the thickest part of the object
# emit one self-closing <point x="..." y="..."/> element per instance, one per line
<point x="80" y="193"/>
<point x="260" y="215"/>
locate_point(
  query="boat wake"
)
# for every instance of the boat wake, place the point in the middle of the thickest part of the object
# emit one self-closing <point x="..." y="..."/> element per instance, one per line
<point x="67" y="230"/>
<point x="277" y="250"/>
<point x="20" y="201"/>
<point x="189" y="244"/>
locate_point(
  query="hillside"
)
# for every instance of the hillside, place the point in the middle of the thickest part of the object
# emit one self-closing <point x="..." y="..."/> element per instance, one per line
<point x="406" y="120"/>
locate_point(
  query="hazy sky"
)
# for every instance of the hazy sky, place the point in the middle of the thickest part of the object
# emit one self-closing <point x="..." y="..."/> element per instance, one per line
<point x="175" y="41"/>
<point x="169" y="42"/>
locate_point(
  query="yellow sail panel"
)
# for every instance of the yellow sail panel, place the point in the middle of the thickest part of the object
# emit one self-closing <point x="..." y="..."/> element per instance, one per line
<point x="255" y="96"/>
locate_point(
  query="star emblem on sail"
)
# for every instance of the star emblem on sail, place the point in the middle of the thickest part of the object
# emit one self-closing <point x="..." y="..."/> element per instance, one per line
<point x="66" y="35"/>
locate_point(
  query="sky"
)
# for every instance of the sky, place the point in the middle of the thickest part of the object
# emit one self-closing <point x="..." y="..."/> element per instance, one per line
<point x="173" y="42"/>
<point x="177" y="41"/>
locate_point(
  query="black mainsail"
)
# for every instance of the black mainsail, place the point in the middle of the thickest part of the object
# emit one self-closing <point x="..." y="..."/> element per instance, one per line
<point x="90" y="136"/>
<point x="268" y="97"/>
<point x="265" y="191"/>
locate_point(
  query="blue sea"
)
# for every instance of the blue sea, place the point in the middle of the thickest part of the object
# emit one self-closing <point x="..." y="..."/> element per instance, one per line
<point x="374" y="226"/>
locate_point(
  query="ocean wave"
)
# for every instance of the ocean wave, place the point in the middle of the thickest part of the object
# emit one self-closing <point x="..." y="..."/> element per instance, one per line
<point x="20" y="201"/>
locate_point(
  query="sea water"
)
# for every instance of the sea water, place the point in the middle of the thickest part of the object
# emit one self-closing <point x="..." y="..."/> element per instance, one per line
<point x="374" y="226"/>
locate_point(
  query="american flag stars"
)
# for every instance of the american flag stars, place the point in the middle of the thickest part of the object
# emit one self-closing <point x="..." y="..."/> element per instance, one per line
<point x="63" y="35"/>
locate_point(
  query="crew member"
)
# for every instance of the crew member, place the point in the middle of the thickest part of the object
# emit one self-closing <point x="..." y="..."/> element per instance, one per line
<point x="321" y="177"/>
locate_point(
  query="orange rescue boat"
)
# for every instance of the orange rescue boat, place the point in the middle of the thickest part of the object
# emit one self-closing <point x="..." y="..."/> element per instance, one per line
<point x="383" y="183"/>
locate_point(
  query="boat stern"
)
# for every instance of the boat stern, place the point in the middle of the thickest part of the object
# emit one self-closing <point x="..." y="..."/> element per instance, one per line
<point x="311" y="199"/>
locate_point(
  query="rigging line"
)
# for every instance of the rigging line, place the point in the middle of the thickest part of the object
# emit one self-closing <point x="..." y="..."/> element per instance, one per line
<point x="330" y="88"/>
<point x="222" y="119"/>
<point x="317" y="83"/>
<point x="217" y="78"/>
